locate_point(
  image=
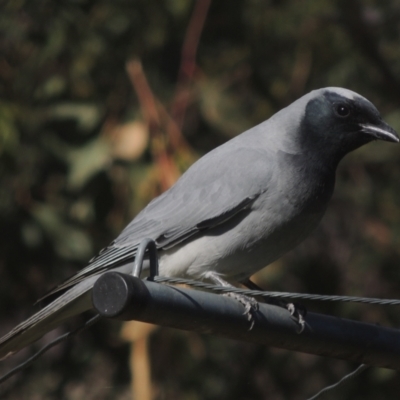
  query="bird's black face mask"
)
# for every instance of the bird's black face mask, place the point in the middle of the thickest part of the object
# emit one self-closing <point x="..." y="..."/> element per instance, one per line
<point x="334" y="125"/>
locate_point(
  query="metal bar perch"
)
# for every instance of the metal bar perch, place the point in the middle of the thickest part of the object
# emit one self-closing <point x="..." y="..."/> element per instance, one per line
<point x="126" y="297"/>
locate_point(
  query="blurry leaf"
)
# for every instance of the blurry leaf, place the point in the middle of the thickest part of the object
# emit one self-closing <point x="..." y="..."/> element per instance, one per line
<point x="129" y="140"/>
<point x="31" y="234"/>
<point x="69" y="241"/>
<point x="379" y="233"/>
<point x="88" y="160"/>
<point x="82" y="210"/>
<point x="117" y="24"/>
<point x="8" y="132"/>
<point x="220" y="108"/>
<point x="155" y="33"/>
<point x="178" y="7"/>
<point x="383" y="374"/>
<point x="52" y="87"/>
<point x="87" y="115"/>
<point x="55" y="41"/>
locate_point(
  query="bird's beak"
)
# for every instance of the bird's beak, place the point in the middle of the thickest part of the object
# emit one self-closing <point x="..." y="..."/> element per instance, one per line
<point x="381" y="132"/>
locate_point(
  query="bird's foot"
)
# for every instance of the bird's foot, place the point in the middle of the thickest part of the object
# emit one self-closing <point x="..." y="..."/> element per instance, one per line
<point x="250" y="304"/>
<point x="298" y="312"/>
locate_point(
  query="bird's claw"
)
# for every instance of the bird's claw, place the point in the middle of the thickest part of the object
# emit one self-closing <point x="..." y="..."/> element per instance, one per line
<point x="298" y="312"/>
<point x="250" y="306"/>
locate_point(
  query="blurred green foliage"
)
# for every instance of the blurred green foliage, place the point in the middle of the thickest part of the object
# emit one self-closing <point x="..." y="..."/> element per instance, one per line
<point x="79" y="158"/>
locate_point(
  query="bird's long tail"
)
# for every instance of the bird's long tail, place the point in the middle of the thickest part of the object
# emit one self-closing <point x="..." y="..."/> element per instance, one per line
<point x="73" y="302"/>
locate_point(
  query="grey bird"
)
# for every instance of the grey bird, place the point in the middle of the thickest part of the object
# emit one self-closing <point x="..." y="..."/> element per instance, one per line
<point x="238" y="208"/>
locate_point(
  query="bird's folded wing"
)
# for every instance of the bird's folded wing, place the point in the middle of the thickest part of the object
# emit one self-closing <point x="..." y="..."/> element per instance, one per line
<point x="208" y="194"/>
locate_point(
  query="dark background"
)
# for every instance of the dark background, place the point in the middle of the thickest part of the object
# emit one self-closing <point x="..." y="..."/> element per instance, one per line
<point x="84" y="146"/>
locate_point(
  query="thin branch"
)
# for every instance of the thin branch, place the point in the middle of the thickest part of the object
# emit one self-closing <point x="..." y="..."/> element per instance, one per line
<point x="148" y="103"/>
<point x="191" y="42"/>
<point x="188" y="61"/>
<point x="146" y="97"/>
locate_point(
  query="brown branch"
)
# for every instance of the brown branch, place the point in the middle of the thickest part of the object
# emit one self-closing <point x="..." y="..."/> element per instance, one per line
<point x="188" y="61"/>
<point x="148" y="103"/>
<point x="192" y="38"/>
<point x="174" y="132"/>
<point x="146" y="97"/>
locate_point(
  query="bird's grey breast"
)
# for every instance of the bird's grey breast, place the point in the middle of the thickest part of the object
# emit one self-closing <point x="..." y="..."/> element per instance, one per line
<point x="280" y="218"/>
<point x="283" y="216"/>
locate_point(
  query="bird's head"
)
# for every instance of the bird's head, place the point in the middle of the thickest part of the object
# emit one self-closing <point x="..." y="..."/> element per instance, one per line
<point x="337" y="121"/>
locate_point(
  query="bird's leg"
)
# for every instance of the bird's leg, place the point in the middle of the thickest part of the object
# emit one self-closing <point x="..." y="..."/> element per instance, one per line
<point x="250" y="304"/>
<point x="297" y="310"/>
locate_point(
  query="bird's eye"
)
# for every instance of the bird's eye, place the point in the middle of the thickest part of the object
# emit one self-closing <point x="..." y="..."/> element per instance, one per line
<point x="342" y="110"/>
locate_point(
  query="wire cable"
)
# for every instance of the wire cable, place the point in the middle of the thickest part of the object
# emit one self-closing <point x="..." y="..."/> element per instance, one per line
<point x="48" y="346"/>
<point x="351" y="375"/>
<point x="287" y="295"/>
